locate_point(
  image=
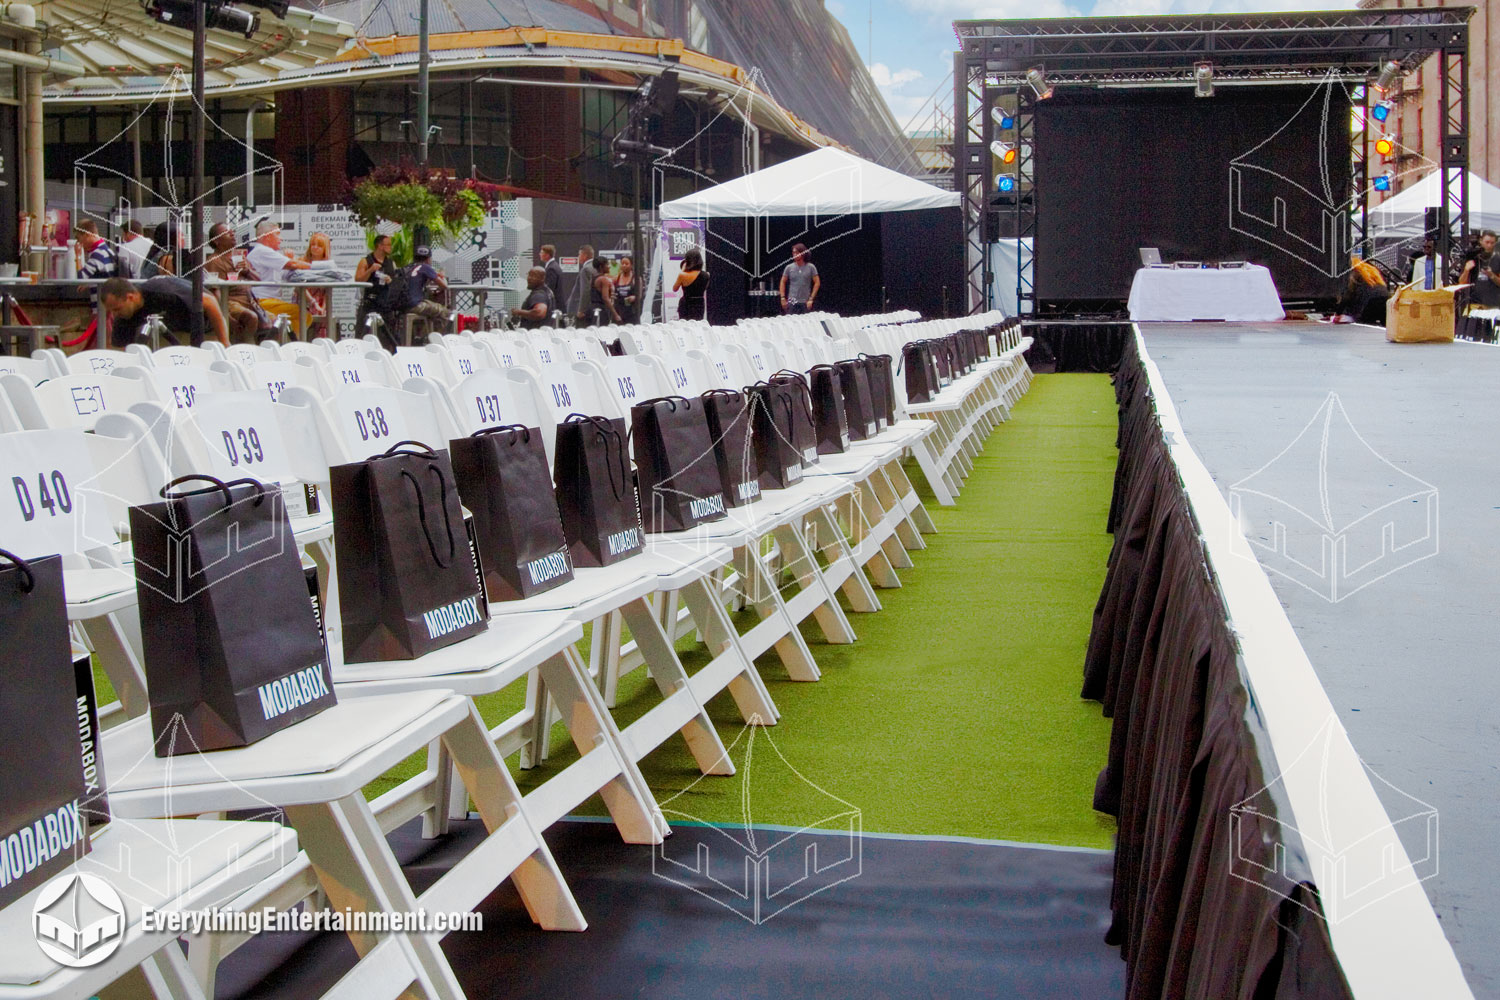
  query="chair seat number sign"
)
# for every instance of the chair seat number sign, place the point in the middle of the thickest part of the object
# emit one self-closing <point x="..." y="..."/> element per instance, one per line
<point x="52" y="500"/>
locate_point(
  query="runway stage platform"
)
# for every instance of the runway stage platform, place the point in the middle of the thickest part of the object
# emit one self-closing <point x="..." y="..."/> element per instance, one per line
<point x="1351" y="444"/>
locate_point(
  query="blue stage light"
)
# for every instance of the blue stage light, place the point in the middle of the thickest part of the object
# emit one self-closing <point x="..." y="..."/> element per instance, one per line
<point x="1006" y="183"/>
<point x="1007" y="122"/>
<point x="1381" y="111"/>
<point x="1383" y="182"/>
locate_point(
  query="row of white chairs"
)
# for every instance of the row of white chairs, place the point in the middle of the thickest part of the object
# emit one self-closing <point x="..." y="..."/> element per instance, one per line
<point x="297" y="436"/>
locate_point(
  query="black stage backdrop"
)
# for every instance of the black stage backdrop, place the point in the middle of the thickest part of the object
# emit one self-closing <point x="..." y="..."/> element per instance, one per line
<point x="1118" y="170"/>
<point x="914" y="259"/>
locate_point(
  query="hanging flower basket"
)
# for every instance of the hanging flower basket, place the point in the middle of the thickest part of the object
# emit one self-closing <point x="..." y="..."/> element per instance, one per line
<point x="419" y="199"/>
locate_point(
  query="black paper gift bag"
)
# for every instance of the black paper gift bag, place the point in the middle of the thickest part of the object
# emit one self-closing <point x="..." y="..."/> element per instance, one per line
<point x="503" y="479"/>
<point x="859" y="406"/>
<point x="42" y="789"/>
<point x="804" y="422"/>
<point x="676" y="471"/>
<point x="233" y="650"/>
<point x="882" y="389"/>
<point x="729" y="420"/>
<point x="829" y="419"/>
<point x="777" y="457"/>
<point x="595" y="491"/>
<point x="922" y="379"/>
<point x="407" y="580"/>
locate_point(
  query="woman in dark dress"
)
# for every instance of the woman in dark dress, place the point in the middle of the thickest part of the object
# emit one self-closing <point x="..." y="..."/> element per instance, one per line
<point x="378" y="270"/>
<point x="693" y="281"/>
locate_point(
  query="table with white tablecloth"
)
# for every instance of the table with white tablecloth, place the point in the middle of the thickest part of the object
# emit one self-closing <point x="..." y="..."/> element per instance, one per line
<point x="1242" y="294"/>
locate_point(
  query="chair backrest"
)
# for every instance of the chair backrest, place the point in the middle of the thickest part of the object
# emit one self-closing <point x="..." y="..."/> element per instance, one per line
<point x="229" y="434"/>
<point x="70" y="489"/>
<point x="181" y="385"/>
<point x="174" y="356"/>
<point x="32" y="369"/>
<point x="249" y="355"/>
<point x="553" y="394"/>
<point x="485" y="399"/>
<point x="634" y="378"/>
<point x="717" y="368"/>
<point x="334" y="374"/>
<point x="278" y="376"/>
<point x="369" y="419"/>
<point x="73" y="400"/>
<point x="99" y="362"/>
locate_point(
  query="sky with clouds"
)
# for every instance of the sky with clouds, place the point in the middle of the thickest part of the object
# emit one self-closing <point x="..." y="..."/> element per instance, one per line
<point x="909" y="44"/>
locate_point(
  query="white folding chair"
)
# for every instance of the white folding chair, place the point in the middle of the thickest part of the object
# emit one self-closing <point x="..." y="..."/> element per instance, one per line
<point x="76" y="400"/>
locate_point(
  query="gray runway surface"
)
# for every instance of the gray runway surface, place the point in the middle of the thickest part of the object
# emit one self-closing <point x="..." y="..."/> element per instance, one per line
<point x="1409" y="659"/>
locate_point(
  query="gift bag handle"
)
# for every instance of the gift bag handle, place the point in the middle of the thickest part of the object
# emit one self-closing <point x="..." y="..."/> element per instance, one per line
<point x="218" y="484"/>
<point x="422" y="513"/>
<point x="420" y="449"/>
<point x="721" y="392"/>
<point x="687" y="403"/>
<point x="27" y="580"/>
<point x="516" y="430"/>
<point x="606" y="432"/>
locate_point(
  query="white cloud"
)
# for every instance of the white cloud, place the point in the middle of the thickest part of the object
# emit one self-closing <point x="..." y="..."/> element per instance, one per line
<point x="886" y="80"/>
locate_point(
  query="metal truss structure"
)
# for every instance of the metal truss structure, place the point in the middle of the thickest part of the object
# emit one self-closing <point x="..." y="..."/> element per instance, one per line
<point x="1245" y="49"/>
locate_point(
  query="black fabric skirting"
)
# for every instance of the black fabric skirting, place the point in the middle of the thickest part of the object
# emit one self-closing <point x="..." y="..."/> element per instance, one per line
<point x="1186" y="748"/>
<point x="1075" y="346"/>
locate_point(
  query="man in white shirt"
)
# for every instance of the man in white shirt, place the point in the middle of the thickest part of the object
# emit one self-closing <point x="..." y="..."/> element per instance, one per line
<point x="270" y="263"/>
<point x="134" y="249"/>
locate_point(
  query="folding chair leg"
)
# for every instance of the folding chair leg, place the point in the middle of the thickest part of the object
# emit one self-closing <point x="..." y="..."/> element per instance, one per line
<point x="758" y="586"/>
<point x="798" y="558"/>
<point x="109" y="638"/>
<point x="627" y="797"/>
<point x="672" y="680"/>
<point x="836" y="550"/>
<point x="936" y="479"/>
<point x="745" y="685"/>
<point x="355" y="867"/>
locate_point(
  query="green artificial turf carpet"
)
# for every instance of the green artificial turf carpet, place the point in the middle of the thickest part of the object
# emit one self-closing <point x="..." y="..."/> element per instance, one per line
<point x="957" y="711"/>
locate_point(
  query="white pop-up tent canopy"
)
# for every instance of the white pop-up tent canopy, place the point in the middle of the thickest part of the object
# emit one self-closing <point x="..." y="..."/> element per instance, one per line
<point x="880" y="240"/>
<point x="1404" y="215"/>
<point x="823" y="183"/>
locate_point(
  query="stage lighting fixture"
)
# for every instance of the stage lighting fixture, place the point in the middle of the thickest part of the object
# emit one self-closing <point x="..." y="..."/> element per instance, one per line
<point x="1389" y="74"/>
<point x="1385" y="146"/>
<point x="1006" y="183"/>
<point x="1003" y="118"/>
<point x="1203" y="79"/>
<point x="1004" y="151"/>
<point x="179" y="14"/>
<point x="1038" y="81"/>
<point x="277" y="7"/>
<point x="1381" y="111"/>
<point x="1383" y="182"/>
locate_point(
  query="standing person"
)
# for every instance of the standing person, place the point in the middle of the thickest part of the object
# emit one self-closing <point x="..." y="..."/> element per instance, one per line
<point x="587" y="272"/>
<point x="378" y="271"/>
<point x="271" y="263"/>
<point x="693" y="282"/>
<point x="551" y="272"/>
<point x="602" y="310"/>
<point x="539" y="306"/>
<point x="1477" y="258"/>
<point x="1426" y="267"/>
<point x="799" y="283"/>
<point x="1486" y="293"/>
<point x="163" y="296"/>
<point x="244" y="319"/>
<point x="99" y="259"/>
<point x="627" y="293"/>
<point x="134" y="249"/>
<point x="419" y="274"/>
